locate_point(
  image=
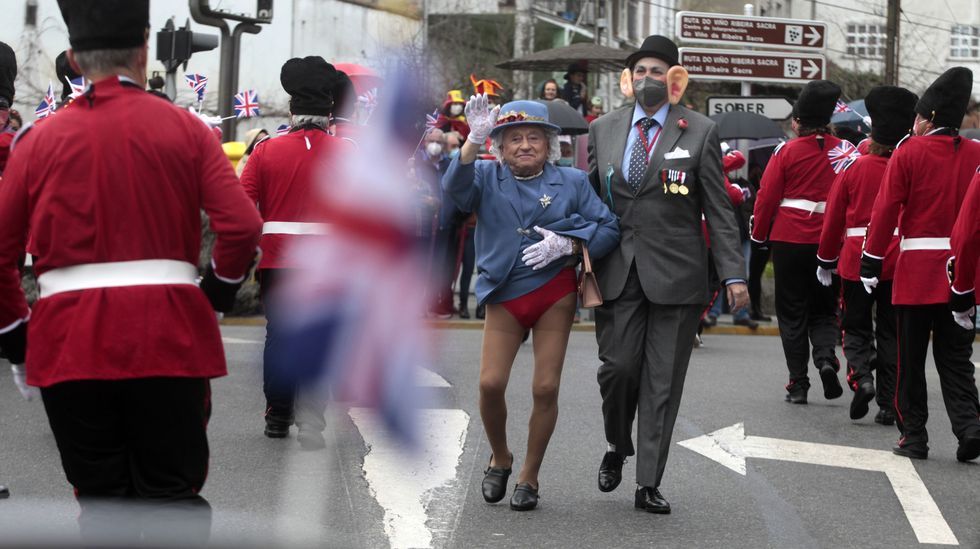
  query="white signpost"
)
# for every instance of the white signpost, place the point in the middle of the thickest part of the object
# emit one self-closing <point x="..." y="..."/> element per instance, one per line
<point x="772" y="107"/>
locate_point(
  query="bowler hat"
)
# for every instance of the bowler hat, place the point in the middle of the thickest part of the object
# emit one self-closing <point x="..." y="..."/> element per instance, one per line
<point x="892" y="111"/>
<point x="523" y="113"/>
<point x="658" y="46"/>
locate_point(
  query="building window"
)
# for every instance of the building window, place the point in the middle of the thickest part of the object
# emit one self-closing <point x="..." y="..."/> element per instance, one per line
<point x="964" y="42"/>
<point x="633" y="17"/>
<point x="865" y="40"/>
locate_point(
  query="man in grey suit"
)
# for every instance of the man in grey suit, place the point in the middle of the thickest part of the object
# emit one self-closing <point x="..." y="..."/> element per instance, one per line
<point x="658" y="167"/>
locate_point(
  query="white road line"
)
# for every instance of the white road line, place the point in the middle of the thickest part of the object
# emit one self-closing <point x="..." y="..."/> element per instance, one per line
<point x="403" y="482"/>
<point x="428" y="378"/>
<point x="730" y="447"/>
<point x="305" y="475"/>
<point x="241" y="341"/>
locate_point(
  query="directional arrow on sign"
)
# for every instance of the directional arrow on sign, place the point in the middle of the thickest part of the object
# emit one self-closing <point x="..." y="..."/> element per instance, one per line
<point x="813" y="35"/>
<point x="812" y="69"/>
<point x="730" y="447"/>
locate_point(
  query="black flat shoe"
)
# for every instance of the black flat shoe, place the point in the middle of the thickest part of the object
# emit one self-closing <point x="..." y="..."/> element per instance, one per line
<point x="859" y="403"/>
<point x="464" y="314"/>
<point x="885" y="417"/>
<point x="748" y="322"/>
<point x="495" y="481"/>
<point x="796" y="392"/>
<point x="525" y="497"/>
<point x="969" y="448"/>
<point x="651" y="501"/>
<point x="831" y="385"/>
<point x="913" y="451"/>
<point x="611" y="471"/>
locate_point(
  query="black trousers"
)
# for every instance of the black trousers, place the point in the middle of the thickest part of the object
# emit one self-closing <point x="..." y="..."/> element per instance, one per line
<point x="277" y="383"/>
<point x="466" y="267"/>
<point x="870" y="341"/>
<point x="137" y="449"/>
<point x="758" y="258"/>
<point x="806" y="310"/>
<point x="952" y="347"/>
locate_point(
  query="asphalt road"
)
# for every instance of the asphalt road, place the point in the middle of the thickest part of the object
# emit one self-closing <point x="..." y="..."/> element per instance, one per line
<point x="362" y="491"/>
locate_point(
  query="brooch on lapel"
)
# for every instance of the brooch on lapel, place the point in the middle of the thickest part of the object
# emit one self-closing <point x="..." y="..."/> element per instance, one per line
<point x="674" y="182"/>
<point x="545" y="201"/>
<point x="682" y="124"/>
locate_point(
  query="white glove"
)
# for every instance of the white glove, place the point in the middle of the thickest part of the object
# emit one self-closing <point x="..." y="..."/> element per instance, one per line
<point x="20" y="379"/>
<point x="538" y="256"/>
<point x="480" y="117"/>
<point x="824" y="276"/>
<point x="963" y="319"/>
<point x="869" y="284"/>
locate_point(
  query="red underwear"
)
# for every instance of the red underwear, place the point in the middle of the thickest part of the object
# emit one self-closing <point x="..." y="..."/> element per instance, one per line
<point x="528" y="308"/>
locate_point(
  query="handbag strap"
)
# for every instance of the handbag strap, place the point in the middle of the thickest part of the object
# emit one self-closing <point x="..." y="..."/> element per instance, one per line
<point x="586" y="260"/>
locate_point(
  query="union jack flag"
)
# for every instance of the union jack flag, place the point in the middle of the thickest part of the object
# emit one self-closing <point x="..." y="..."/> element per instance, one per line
<point x="841" y="155"/>
<point x="431" y="120"/>
<point x="369" y="98"/>
<point x="841" y="107"/>
<point x="78" y="86"/>
<point x="198" y="82"/>
<point x="44" y="109"/>
<point x="246" y="104"/>
<point x="49" y="97"/>
<point x="283" y="129"/>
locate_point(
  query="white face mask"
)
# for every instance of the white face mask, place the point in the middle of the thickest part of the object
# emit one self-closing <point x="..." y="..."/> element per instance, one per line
<point x="433" y="149"/>
<point x="455" y="109"/>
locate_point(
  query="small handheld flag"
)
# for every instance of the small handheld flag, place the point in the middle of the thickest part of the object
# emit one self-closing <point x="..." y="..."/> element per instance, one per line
<point x="43" y="110"/>
<point x="283" y="129"/>
<point x="841" y="107"/>
<point x="78" y="86"/>
<point x="199" y="83"/>
<point x="368" y="101"/>
<point x="431" y="120"/>
<point x="246" y="104"/>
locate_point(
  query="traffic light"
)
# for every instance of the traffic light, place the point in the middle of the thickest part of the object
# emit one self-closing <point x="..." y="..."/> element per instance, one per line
<point x="175" y="46"/>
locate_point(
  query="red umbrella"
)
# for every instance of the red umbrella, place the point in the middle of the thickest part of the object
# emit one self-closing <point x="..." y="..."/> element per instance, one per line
<point x="363" y="77"/>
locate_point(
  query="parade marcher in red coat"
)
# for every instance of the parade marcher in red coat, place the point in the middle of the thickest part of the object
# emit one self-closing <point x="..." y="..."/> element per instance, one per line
<point x="281" y="177"/>
<point x="869" y="340"/>
<point x="789" y="213"/>
<point x="962" y="267"/>
<point x="123" y="341"/>
<point x="925" y="182"/>
<point x="8" y="73"/>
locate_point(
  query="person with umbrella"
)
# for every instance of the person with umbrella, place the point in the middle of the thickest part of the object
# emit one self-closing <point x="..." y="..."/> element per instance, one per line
<point x="789" y="216"/>
<point x="534" y="219"/>
<point x="575" y="92"/>
<point x="869" y="339"/>
<point x="658" y="165"/>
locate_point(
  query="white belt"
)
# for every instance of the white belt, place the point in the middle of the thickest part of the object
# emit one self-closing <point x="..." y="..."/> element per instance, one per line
<point x="928" y="243"/>
<point x="802" y="204"/>
<point x="291" y="227"/>
<point x="861" y="231"/>
<point x="115" y="274"/>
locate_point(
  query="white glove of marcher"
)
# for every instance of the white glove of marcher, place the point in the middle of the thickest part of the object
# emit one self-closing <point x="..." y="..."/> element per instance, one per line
<point x="480" y="117"/>
<point x="538" y="256"/>
<point x="964" y="320"/>
<point x="20" y="379"/>
<point x="825" y="276"/>
<point x="869" y="284"/>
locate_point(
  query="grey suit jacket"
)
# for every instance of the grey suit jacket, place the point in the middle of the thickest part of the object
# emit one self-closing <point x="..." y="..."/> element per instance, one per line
<point x="661" y="231"/>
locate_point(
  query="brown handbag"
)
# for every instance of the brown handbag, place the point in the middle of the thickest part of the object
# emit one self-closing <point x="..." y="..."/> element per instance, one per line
<point x="588" y="286"/>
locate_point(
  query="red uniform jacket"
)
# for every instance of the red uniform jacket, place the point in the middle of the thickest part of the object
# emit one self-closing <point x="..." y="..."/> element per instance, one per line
<point x="965" y="239"/>
<point x="121" y="176"/>
<point x="6" y="137"/>
<point x="849" y="207"/>
<point x="282" y="177"/>
<point x="798" y="169"/>
<point x="925" y="182"/>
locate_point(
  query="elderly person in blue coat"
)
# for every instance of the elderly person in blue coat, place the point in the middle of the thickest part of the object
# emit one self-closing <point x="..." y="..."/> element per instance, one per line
<point x="534" y="219"/>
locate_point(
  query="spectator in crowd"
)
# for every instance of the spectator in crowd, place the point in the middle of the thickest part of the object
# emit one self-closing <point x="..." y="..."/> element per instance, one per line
<point x="252" y="138"/>
<point x="549" y="90"/>
<point x="431" y="163"/>
<point x="575" y="91"/>
<point x="595" y="109"/>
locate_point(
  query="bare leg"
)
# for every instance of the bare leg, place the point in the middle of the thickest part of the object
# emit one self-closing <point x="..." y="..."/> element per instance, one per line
<point x="550" y="342"/>
<point x="502" y="336"/>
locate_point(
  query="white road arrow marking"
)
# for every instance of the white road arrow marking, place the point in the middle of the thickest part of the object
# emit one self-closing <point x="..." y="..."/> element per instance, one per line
<point x="813" y="35"/>
<point x="404" y="483"/>
<point x="730" y="447"/>
<point x="811" y="69"/>
<point x="428" y="378"/>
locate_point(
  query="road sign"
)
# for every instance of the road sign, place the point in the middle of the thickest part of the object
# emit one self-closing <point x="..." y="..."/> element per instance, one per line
<point x="730" y="447"/>
<point x="772" y="107"/>
<point x="758" y="32"/>
<point x="753" y="66"/>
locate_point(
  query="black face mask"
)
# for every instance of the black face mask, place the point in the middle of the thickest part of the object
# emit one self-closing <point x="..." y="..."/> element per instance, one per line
<point x="650" y="92"/>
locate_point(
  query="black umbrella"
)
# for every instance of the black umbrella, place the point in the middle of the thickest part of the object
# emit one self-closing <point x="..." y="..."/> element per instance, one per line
<point x="562" y="114"/>
<point x="745" y="125"/>
<point x="595" y="57"/>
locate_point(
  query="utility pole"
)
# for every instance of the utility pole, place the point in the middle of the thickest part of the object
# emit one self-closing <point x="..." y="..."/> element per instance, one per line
<point x="523" y="43"/>
<point x="892" y="42"/>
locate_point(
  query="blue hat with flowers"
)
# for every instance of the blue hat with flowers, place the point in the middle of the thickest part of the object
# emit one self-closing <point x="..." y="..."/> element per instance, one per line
<point x="523" y="113"/>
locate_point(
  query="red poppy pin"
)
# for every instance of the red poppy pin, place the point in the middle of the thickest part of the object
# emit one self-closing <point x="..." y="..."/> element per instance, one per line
<point x="682" y="124"/>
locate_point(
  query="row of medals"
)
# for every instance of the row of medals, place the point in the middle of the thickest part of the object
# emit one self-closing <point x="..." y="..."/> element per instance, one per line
<point x="677" y="179"/>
